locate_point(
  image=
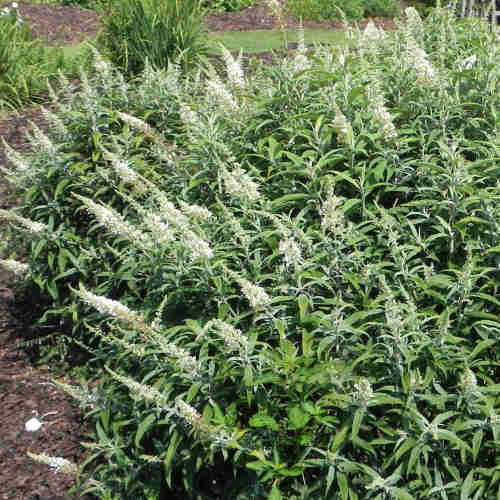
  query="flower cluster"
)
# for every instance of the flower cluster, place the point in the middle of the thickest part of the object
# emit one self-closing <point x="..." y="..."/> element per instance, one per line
<point x="363" y="392"/>
<point x="344" y="130"/>
<point x="111" y="307"/>
<point x="201" y="213"/>
<point x="381" y="115"/>
<point x="221" y="95"/>
<point x="57" y="463"/>
<point x="291" y="252"/>
<point x="372" y="34"/>
<point x="15" y="267"/>
<point x="198" y="248"/>
<point x="84" y="397"/>
<point x="418" y="59"/>
<point x="235" y="73"/>
<point x="256" y="295"/>
<point x="332" y="217"/>
<point x="114" y="222"/>
<point x="147" y="392"/>
<point x="125" y="173"/>
<point x="468" y="381"/>
<point x="239" y="184"/>
<point x="233" y="338"/>
<point x="27" y="224"/>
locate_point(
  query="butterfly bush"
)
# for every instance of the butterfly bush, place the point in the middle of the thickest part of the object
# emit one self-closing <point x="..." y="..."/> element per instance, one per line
<point x="291" y="277"/>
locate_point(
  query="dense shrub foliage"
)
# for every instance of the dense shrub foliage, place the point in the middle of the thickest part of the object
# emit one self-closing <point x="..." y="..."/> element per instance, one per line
<point x="324" y="10"/>
<point x="226" y="5"/>
<point x="291" y="277"/>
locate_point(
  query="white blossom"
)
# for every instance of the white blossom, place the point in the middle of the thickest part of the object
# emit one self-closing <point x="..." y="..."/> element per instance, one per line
<point x="189" y="117"/>
<point x="344" y="129"/>
<point x="55" y="121"/>
<point x="147" y="392"/>
<point x="301" y="62"/>
<point x="218" y="436"/>
<point x="40" y="141"/>
<point x="468" y="62"/>
<point x="233" y="337"/>
<point x="190" y="415"/>
<point x="256" y="296"/>
<point x="418" y="60"/>
<point x="111" y="307"/>
<point x="22" y="168"/>
<point x="28" y="224"/>
<point x="84" y="397"/>
<point x="198" y="248"/>
<point x="372" y="34"/>
<point x="126" y="174"/>
<point x="363" y="391"/>
<point x="332" y="216"/>
<point x="57" y="463"/>
<point x="468" y="382"/>
<point x="141" y="126"/>
<point x="196" y="211"/>
<point x="239" y="184"/>
<point x="18" y="268"/>
<point x="168" y="211"/>
<point x="114" y="222"/>
<point x="221" y="95"/>
<point x="235" y="73"/>
<point x="384" y="122"/>
<point x="160" y="230"/>
<point x="291" y="252"/>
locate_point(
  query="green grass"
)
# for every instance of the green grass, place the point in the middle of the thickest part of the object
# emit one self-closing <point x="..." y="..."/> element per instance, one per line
<point x="252" y="42"/>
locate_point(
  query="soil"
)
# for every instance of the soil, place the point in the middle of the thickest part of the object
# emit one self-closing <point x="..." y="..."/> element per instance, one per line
<point x="26" y="390"/>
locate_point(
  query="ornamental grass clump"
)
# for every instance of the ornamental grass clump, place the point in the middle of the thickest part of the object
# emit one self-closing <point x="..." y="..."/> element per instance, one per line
<point x="140" y="31"/>
<point x="294" y="300"/>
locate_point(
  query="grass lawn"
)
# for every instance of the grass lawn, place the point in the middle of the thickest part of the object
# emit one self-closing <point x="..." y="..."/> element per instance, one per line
<point x="252" y="42"/>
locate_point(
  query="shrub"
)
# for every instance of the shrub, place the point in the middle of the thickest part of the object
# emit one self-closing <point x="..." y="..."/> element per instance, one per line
<point x="86" y="4"/>
<point x="381" y="8"/>
<point x="324" y="10"/>
<point x="136" y="31"/>
<point x="313" y="269"/>
<point x="226" y="5"/>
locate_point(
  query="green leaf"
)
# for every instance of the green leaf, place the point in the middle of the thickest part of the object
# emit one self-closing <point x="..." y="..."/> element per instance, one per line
<point x="143" y="428"/>
<point x="356" y="422"/>
<point x="263" y="420"/>
<point x="343" y="487"/>
<point x="401" y="494"/>
<point x="297" y="418"/>
<point x="288" y="200"/>
<point x="275" y="494"/>
<point x="466" y="486"/>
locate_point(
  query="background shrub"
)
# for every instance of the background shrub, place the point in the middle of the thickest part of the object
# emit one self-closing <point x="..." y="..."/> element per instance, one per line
<point x="136" y="31"/>
<point x="324" y="10"/>
<point x="381" y="8"/>
<point x="226" y="5"/>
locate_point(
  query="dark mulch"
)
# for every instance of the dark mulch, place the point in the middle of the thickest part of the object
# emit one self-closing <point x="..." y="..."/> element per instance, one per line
<point x="259" y="17"/>
<point x="25" y="389"/>
<point x="59" y="25"/>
